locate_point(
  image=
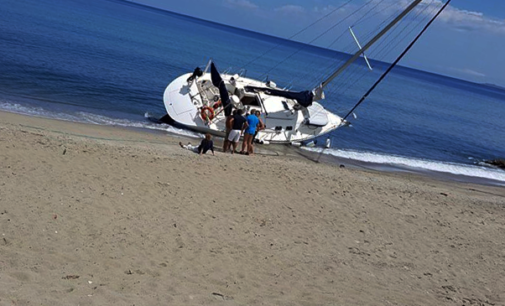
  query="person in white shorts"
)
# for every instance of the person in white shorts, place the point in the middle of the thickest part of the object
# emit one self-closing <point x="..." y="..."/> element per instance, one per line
<point x="238" y="125"/>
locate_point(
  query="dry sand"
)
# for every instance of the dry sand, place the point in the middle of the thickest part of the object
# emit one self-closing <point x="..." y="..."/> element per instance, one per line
<point x="93" y="215"/>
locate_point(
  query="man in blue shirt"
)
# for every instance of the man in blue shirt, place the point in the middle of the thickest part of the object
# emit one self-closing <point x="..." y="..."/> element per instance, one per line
<point x="252" y="123"/>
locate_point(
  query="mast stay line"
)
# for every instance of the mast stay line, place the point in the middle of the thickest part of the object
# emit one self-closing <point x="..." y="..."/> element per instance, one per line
<point x="397" y="60"/>
<point x="370" y="43"/>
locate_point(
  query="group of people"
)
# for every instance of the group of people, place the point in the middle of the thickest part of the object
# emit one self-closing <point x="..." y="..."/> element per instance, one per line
<point x="238" y="125"/>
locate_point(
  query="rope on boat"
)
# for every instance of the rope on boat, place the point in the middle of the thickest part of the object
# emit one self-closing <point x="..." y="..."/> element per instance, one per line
<point x="354" y="75"/>
<point x="393" y="65"/>
<point x="299" y="32"/>
<point x="397" y="60"/>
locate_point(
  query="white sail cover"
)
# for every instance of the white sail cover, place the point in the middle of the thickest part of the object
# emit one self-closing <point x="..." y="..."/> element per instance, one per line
<point x="318" y="93"/>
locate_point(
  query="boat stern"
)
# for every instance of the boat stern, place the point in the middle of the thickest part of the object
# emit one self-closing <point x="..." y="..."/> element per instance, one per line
<point x="179" y="101"/>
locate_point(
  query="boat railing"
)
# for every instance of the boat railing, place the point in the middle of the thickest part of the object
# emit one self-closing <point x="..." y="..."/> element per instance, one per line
<point x="207" y="93"/>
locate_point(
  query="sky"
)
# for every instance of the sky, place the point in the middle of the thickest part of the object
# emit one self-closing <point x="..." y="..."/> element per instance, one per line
<point x="467" y="41"/>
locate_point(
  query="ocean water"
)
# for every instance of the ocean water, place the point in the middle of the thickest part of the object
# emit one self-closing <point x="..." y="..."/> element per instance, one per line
<point x="108" y="62"/>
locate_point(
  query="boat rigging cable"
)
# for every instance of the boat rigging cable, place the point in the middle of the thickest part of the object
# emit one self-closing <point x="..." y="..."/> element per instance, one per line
<point x="354" y="76"/>
<point x="360" y="20"/>
<point x="383" y="48"/>
<point x="383" y="33"/>
<point x="391" y="67"/>
<point x="370" y="43"/>
<point x="397" y="60"/>
<point x="316" y="77"/>
<point x="317" y="37"/>
<point x="316" y="80"/>
<point x="299" y="32"/>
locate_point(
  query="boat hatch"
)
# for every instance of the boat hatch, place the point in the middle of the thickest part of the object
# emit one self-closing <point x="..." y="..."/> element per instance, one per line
<point x="250" y="100"/>
<point x="317" y="115"/>
<point x="275" y="105"/>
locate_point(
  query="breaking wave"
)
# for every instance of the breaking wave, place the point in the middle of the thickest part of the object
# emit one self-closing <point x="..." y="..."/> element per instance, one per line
<point x="416" y="164"/>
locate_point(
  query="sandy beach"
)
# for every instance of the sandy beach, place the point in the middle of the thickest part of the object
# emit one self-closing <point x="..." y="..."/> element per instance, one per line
<point x="95" y="215"/>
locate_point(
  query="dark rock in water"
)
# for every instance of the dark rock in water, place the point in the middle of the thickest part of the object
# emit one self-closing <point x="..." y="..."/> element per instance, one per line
<point x="500" y="163"/>
<point x="166" y="119"/>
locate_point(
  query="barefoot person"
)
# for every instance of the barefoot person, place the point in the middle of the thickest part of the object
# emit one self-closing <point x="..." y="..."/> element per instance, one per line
<point x="252" y="122"/>
<point x="261" y="126"/>
<point x="226" y="142"/>
<point x="238" y="124"/>
<point x="205" y="145"/>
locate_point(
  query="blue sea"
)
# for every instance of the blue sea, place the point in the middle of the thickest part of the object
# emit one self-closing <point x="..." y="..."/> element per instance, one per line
<point x="108" y="62"/>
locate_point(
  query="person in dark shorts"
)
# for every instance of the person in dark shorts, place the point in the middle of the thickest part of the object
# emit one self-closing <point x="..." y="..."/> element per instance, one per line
<point x="238" y="124"/>
<point x="226" y="142"/>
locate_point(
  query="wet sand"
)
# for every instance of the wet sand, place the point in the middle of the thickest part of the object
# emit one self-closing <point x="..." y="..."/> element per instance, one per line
<point x="94" y="215"/>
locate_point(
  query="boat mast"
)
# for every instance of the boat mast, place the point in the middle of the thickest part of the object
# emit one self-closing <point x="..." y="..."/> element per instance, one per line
<point x="371" y="42"/>
<point x="398" y="59"/>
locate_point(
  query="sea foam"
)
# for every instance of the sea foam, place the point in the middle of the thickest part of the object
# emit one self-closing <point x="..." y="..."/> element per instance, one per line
<point x="85" y="117"/>
<point x="416" y="164"/>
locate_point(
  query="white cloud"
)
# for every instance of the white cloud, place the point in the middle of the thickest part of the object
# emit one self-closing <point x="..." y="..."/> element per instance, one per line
<point x="244" y="4"/>
<point x="328" y="9"/>
<point x="468" y="72"/>
<point x="458" y="19"/>
<point x="472" y="21"/>
<point x="290" y="9"/>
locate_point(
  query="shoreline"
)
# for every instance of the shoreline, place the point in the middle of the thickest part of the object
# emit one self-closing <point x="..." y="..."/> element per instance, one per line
<point x="312" y="156"/>
<point x="436" y="175"/>
<point x="395" y="168"/>
<point x="98" y="215"/>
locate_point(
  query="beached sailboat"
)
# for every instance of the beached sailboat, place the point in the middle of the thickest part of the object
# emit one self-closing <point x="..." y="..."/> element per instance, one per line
<point x="202" y="100"/>
<point x="289" y="116"/>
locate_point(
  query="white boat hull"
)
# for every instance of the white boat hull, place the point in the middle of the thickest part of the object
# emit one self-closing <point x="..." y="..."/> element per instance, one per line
<point x="285" y="121"/>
